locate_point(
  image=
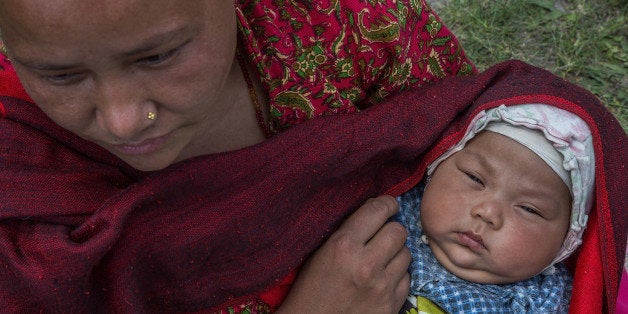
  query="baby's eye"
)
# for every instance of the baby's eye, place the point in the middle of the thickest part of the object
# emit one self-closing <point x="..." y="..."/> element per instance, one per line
<point x="530" y="210"/>
<point x="475" y="179"/>
<point x="158" y="58"/>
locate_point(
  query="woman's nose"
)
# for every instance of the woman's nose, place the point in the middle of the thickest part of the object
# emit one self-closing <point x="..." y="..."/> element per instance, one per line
<point x="490" y="211"/>
<point x="122" y="111"/>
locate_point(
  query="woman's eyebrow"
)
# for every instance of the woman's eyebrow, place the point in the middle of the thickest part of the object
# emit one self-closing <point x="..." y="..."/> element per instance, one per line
<point x="157" y="40"/>
<point x="41" y="66"/>
<point x="147" y="45"/>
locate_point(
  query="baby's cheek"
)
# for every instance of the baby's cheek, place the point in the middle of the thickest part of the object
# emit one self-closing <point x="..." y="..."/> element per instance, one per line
<point x="530" y="249"/>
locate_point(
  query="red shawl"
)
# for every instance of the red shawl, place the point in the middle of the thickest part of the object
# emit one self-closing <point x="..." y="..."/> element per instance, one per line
<point x="80" y="231"/>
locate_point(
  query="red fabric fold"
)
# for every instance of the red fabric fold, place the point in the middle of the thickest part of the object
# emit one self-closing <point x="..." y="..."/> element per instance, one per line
<point x="10" y="85"/>
<point x="80" y="231"/>
<point x="589" y="271"/>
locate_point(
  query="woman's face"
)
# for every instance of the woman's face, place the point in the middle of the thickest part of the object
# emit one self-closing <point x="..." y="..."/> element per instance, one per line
<point x="495" y="212"/>
<point x="98" y="67"/>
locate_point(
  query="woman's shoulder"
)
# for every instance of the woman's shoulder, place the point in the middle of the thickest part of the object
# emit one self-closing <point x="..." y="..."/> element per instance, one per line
<point x="326" y="57"/>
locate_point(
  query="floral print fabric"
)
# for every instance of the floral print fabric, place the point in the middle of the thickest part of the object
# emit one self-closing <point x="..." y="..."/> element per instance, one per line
<point x="334" y="56"/>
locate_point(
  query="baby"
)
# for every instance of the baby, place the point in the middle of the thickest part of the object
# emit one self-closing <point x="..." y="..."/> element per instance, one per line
<point x="499" y="211"/>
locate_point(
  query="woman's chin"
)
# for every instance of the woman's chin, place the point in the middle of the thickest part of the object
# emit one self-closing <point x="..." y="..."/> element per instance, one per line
<point x="147" y="163"/>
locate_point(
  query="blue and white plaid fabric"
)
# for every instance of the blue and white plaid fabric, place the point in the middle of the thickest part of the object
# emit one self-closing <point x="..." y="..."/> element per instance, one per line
<point x="540" y="294"/>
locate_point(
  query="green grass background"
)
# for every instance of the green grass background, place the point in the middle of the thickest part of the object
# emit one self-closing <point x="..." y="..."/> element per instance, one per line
<point x="583" y="41"/>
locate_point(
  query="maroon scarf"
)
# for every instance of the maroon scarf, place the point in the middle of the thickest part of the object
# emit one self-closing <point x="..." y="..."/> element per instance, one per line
<point x="82" y="231"/>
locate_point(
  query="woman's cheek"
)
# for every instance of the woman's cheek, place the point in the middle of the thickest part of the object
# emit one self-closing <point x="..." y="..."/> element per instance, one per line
<point x="65" y="107"/>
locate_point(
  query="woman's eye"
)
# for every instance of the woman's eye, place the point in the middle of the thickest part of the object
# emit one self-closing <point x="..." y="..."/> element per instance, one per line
<point x="475" y="179"/>
<point x="158" y="58"/>
<point x="62" y="79"/>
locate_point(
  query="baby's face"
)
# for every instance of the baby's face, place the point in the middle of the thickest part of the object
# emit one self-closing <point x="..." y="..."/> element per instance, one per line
<point x="495" y="212"/>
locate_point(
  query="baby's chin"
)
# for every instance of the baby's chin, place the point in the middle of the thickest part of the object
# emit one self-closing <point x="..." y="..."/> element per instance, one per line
<point x="484" y="277"/>
<point x="481" y="274"/>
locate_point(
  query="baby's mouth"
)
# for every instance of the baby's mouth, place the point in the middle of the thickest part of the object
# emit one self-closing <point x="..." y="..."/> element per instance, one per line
<point x="471" y="240"/>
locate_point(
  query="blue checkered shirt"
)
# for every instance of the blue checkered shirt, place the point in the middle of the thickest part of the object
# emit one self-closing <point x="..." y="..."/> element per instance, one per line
<point x="540" y="294"/>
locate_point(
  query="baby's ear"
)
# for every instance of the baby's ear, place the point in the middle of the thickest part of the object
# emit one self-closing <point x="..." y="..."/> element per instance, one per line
<point x="425" y="239"/>
<point x="549" y="270"/>
<point x="428" y="179"/>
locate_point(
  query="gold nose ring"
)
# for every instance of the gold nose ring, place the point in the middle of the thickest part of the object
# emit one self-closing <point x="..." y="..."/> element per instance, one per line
<point x="151" y="116"/>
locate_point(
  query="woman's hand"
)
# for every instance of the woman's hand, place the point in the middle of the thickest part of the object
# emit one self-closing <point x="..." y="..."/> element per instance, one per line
<point x="362" y="268"/>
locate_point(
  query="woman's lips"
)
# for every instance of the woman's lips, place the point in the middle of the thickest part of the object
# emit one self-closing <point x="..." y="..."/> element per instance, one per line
<point x="471" y="240"/>
<point x="145" y="147"/>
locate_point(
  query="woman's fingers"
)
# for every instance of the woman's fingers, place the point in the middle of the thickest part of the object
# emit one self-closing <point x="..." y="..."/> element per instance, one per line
<point x="368" y="219"/>
<point x="361" y="268"/>
<point x="398" y="269"/>
<point x="389" y="244"/>
<point x="402" y="291"/>
<point x="389" y="240"/>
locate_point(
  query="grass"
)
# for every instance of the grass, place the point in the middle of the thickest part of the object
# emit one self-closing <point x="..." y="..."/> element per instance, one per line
<point x="582" y="41"/>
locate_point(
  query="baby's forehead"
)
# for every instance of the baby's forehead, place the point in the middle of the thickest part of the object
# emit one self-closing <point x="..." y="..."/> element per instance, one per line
<point x="501" y="158"/>
<point x="489" y="141"/>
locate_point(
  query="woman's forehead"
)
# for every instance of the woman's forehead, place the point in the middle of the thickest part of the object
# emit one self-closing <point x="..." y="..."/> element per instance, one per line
<point x="24" y="10"/>
<point x="65" y="15"/>
<point x="91" y="24"/>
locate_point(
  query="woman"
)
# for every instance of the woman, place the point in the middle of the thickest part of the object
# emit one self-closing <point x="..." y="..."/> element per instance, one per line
<point x="161" y="85"/>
